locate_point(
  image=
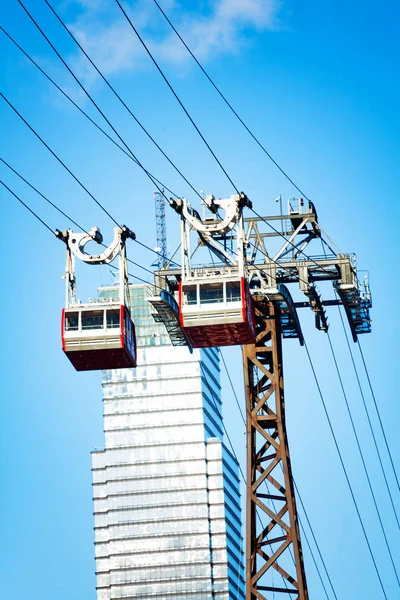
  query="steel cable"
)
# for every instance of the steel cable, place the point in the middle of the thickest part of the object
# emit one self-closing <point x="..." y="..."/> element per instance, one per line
<point x="378" y="413"/>
<point x="369" y="419"/>
<point x="132" y="158"/>
<point x="91" y="99"/>
<point x="121" y="100"/>
<point x="362" y="456"/>
<point x="228" y="103"/>
<point x="345" y="473"/>
<point x="176" y="95"/>
<point x="72" y="174"/>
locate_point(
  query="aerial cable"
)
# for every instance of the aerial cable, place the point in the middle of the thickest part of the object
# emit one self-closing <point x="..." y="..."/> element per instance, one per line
<point x="121" y="100"/>
<point x="314" y="538"/>
<point x="362" y="456"/>
<point x="158" y="253"/>
<point x="91" y="99"/>
<point x="176" y="96"/>
<point x="59" y="160"/>
<point x="27" y="207"/>
<point x="233" y="388"/>
<point x="53" y="231"/>
<point x="71" y="219"/>
<point x="173" y="254"/>
<point x="42" y="195"/>
<point x="378" y="413"/>
<point x="72" y="174"/>
<point x="132" y="158"/>
<point x="367" y="413"/>
<point x="229" y="105"/>
<point x="313" y="557"/>
<point x="345" y="472"/>
<point x="369" y="419"/>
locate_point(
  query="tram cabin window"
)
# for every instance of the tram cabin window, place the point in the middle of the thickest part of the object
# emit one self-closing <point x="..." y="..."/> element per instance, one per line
<point x="112" y="319"/>
<point x="93" y="320"/>
<point x="190" y="294"/>
<point x="72" y="321"/>
<point x="211" y="293"/>
<point x="233" y="291"/>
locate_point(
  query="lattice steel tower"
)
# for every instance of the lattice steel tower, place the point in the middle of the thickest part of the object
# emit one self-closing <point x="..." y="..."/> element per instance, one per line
<point x="159" y="201"/>
<point x="242" y="298"/>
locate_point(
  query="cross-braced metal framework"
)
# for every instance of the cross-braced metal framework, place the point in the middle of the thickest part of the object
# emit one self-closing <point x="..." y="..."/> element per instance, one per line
<point x="159" y="201"/>
<point x="272" y="535"/>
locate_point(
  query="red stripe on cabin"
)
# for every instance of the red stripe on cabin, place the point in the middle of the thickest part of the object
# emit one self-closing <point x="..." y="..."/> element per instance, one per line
<point x="62" y="329"/>
<point x="244" y="299"/>
<point x="180" y="299"/>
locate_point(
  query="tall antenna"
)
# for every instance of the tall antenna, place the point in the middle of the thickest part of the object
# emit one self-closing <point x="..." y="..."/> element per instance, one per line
<point x="159" y="201"/>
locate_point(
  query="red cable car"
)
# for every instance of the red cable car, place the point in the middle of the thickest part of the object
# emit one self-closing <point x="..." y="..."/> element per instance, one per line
<point x="97" y="335"/>
<point x="217" y="312"/>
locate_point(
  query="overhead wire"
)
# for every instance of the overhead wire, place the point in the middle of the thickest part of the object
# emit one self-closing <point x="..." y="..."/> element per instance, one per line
<point x="228" y="103"/>
<point x="369" y="420"/>
<point x="378" y="413"/>
<point x="42" y="195"/>
<point x="314" y="538"/>
<point x="176" y="95"/>
<point x="85" y="114"/>
<point x="73" y="221"/>
<point x="155" y="252"/>
<point x="53" y="231"/>
<point x="91" y="99"/>
<point x="172" y="90"/>
<point x="362" y="456"/>
<point x="106" y="81"/>
<point x="231" y="108"/>
<point x="314" y="560"/>
<point x="346" y="474"/>
<point x="27" y="207"/>
<point x="70" y="172"/>
<point x="102" y="114"/>
<point x="59" y="159"/>
<point x="132" y="156"/>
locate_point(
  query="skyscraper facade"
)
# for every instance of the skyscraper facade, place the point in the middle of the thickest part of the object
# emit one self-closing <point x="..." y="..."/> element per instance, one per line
<point x="166" y="489"/>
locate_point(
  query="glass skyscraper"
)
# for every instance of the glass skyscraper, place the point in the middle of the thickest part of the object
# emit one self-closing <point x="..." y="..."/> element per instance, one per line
<point x="166" y="489"/>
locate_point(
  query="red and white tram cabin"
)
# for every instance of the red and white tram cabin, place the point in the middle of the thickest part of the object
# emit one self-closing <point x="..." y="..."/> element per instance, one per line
<point x="217" y="312"/>
<point x="98" y="336"/>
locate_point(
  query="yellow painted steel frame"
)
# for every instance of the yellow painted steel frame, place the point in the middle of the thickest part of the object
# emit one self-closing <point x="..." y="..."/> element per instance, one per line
<point x="272" y="533"/>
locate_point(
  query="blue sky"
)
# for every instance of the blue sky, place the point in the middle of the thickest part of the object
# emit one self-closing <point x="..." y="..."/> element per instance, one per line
<point x="318" y="84"/>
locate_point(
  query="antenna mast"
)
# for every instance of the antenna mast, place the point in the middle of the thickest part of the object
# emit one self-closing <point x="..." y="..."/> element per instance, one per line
<point x="159" y="201"/>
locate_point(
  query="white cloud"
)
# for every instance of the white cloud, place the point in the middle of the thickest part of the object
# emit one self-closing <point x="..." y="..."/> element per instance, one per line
<point x="107" y="37"/>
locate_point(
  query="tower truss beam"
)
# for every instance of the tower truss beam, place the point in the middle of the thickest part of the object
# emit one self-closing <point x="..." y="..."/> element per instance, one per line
<point x="273" y="546"/>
